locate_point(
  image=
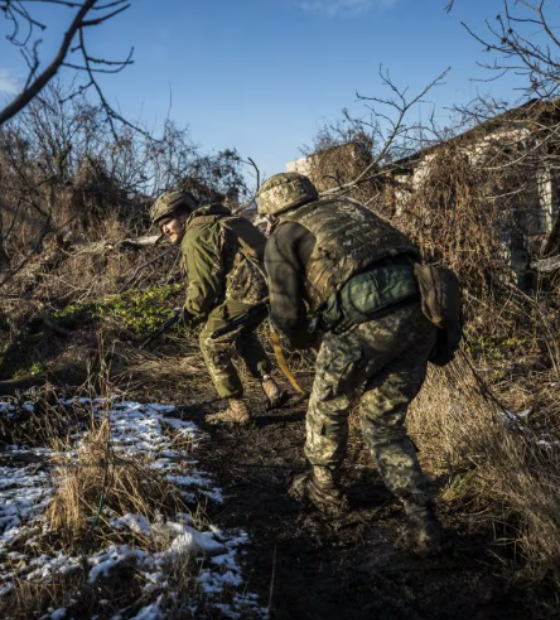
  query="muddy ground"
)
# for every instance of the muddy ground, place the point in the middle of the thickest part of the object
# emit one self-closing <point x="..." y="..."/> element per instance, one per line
<point x="308" y="568"/>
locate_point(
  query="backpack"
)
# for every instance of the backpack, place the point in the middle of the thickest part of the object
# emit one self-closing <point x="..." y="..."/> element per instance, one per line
<point x="441" y="299"/>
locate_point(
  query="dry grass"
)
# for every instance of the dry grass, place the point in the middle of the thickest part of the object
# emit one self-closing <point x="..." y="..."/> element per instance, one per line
<point x="463" y="209"/>
<point x="504" y="466"/>
<point x="164" y="368"/>
<point x="100" y="481"/>
<point x="29" y="597"/>
<point x="36" y="599"/>
<point x="93" y="484"/>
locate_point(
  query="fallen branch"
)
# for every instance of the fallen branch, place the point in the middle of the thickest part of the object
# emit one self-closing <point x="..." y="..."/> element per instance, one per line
<point x="100" y="247"/>
<point x="143" y="266"/>
<point x="546" y="265"/>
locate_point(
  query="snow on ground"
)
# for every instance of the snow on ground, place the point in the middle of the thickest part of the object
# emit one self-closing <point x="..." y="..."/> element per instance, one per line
<point x="519" y="422"/>
<point x="143" y="429"/>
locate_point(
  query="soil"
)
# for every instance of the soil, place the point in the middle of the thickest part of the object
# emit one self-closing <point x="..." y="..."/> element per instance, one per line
<point x="305" y="566"/>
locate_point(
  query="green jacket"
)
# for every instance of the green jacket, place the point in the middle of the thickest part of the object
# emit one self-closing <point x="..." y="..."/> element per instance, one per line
<point x="217" y="269"/>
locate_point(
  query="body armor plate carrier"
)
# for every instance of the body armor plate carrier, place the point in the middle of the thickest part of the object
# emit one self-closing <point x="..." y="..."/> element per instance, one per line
<point x="349" y="239"/>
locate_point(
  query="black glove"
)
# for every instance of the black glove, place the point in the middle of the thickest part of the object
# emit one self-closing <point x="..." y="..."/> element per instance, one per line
<point x="185" y="317"/>
<point x="191" y="320"/>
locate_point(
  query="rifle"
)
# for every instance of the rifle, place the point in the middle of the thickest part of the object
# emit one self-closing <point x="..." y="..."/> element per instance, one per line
<point x="174" y="318"/>
<point x="254" y="314"/>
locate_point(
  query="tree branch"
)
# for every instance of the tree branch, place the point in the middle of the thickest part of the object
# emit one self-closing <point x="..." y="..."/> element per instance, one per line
<point x="43" y="79"/>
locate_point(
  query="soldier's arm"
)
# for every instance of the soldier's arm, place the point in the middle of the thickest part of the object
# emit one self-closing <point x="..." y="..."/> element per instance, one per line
<point x="202" y="250"/>
<point x="286" y="255"/>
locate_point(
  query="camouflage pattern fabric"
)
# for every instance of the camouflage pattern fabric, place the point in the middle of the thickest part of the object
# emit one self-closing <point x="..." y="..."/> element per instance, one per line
<point x="218" y="354"/>
<point x="245" y="283"/>
<point x="215" y="267"/>
<point x="221" y="285"/>
<point x="382" y="363"/>
<point x="348" y="239"/>
<point x="284" y="191"/>
<point x="170" y="203"/>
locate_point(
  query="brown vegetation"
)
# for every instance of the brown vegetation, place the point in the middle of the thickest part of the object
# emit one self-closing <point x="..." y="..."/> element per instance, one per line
<point x="97" y="477"/>
<point x="488" y="423"/>
<point x="66" y="181"/>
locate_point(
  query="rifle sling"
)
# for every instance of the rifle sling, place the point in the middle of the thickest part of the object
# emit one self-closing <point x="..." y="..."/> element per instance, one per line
<point x="282" y="363"/>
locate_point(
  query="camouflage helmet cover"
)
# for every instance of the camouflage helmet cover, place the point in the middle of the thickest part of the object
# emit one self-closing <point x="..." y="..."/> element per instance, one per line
<point x="284" y="191"/>
<point x="171" y="204"/>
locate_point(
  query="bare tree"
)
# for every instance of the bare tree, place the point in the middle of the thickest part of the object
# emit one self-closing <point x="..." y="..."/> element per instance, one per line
<point x="69" y="186"/>
<point x="381" y="136"/>
<point x="72" y="53"/>
<point x="523" y="38"/>
<point x="480" y="194"/>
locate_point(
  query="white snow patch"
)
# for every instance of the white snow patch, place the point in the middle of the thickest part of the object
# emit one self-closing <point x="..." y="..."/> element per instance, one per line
<point x="136" y="429"/>
<point x="518" y="421"/>
<point x="193" y="542"/>
<point x="136" y="523"/>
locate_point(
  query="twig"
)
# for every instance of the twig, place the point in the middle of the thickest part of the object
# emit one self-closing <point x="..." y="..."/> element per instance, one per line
<point x="42" y="80"/>
<point x="143" y="266"/>
<point x="272" y="580"/>
<point x="402" y="107"/>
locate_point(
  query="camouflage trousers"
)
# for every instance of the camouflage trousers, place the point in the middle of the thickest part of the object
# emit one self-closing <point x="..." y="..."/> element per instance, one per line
<point x="382" y="364"/>
<point x="218" y="354"/>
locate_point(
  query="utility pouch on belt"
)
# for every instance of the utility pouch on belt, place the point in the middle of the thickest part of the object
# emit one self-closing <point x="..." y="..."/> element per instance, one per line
<point x="367" y="295"/>
<point x="441" y="303"/>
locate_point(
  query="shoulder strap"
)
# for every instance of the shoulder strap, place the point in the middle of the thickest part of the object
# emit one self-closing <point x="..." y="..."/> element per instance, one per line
<point x="206" y="219"/>
<point x="247" y="250"/>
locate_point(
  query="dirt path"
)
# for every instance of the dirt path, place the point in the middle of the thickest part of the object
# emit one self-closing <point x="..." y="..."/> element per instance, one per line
<point x="310" y="568"/>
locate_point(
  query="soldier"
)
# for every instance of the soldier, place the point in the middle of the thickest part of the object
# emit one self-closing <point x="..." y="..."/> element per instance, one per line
<point x="337" y="270"/>
<point x="222" y="255"/>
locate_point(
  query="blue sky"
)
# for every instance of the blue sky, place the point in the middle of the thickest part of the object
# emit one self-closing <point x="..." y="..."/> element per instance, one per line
<point x="264" y="75"/>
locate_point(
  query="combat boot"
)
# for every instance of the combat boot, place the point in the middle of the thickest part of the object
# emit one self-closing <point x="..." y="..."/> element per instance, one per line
<point x="320" y="486"/>
<point x="237" y="413"/>
<point x="424" y="533"/>
<point x="275" y="395"/>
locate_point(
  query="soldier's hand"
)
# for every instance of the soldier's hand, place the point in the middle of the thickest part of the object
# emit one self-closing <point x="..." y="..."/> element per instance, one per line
<point x="316" y="345"/>
<point x="193" y="320"/>
<point x="184" y="315"/>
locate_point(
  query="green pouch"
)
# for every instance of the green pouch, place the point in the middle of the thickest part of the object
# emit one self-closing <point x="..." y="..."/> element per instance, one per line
<point x="368" y="294"/>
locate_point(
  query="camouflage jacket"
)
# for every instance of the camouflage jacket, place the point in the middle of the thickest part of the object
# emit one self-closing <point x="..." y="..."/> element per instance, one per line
<point x="222" y="255"/>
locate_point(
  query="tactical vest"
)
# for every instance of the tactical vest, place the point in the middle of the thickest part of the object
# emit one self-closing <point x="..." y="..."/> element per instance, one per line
<point x="243" y="247"/>
<point x="349" y="239"/>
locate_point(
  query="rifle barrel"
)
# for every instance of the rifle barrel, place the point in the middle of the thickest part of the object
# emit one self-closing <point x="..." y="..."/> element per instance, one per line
<point x="166" y="325"/>
<point x="255" y="311"/>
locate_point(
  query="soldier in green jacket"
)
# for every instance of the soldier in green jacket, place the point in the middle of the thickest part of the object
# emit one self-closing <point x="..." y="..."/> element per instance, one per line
<point x="341" y="281"/>
<point x="222" y="257"/>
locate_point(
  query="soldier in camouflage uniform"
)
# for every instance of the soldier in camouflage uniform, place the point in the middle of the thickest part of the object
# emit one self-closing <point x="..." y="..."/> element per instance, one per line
<point x="341" y="280"/>
<point x="222" y="258"/>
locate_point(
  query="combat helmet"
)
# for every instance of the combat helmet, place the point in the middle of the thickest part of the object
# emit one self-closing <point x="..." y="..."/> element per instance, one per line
<point x="285" y="191"/>
<point x="172" y="204"/>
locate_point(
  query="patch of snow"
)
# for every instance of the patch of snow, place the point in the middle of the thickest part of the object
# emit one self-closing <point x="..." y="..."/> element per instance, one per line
<point x="136" y="523"/>
<point x="24" y="494"/>
<point x="141" y="430"/>
<point x="107" y="560"/>
<point x="518" y="421"/>
<point x="193" y="542"/>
